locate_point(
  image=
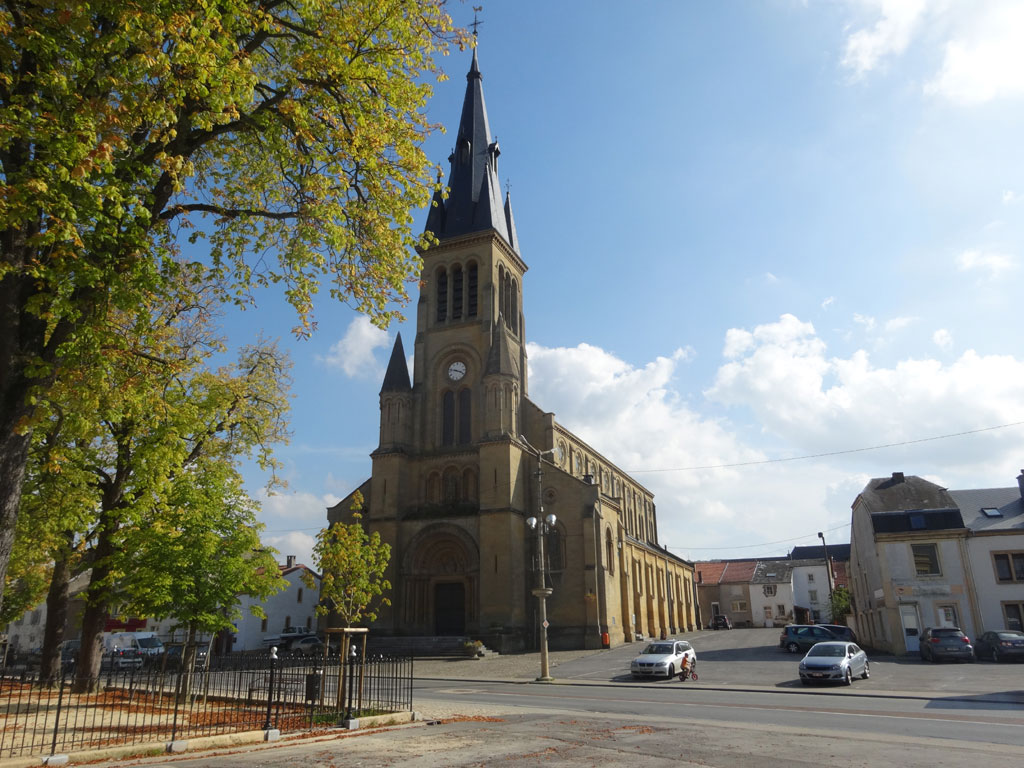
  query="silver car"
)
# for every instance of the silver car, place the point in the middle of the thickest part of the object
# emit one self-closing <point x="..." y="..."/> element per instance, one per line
<point x="663" y="658"/>
<point x="834" y="661"/>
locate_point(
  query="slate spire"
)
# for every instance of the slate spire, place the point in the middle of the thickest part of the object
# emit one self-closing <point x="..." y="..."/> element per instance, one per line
<point x="396" y="379"/>
<point x="474" y="200"/>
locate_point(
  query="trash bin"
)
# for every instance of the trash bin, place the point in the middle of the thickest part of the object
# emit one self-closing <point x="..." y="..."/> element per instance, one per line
<point x="605" y="640"/>
<point x="313" y="685"/>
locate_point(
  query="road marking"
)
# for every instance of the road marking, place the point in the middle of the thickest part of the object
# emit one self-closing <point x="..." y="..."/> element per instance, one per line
<point x="809" y="710"/>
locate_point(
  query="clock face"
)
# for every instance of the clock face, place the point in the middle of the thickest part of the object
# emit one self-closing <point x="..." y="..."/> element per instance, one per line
<point x="456" y="370"/>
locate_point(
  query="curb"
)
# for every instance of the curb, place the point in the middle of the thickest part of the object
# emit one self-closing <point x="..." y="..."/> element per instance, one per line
<point x="197" y="744"/>
<point x="993" y="698"/>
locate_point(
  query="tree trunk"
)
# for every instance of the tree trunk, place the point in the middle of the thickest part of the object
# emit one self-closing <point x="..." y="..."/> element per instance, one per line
<point x="13" y="457"/>
<point x="94" y="617"/>
<point x="27" y="345"/>
<point x="56" y="619"/>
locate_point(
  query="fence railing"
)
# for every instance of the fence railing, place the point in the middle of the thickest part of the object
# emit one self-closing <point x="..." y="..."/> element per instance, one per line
<point x="229" y="695"/>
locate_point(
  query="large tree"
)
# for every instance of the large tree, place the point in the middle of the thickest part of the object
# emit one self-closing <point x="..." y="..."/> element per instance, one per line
<point x="294" y="127"/>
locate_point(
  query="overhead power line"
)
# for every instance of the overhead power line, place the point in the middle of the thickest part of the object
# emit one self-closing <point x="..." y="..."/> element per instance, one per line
<point x="754" y="546"/>
<point x="829" y="453"/>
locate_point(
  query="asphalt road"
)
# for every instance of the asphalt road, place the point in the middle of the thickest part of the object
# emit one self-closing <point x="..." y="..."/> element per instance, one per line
<point x="747" y="709"/>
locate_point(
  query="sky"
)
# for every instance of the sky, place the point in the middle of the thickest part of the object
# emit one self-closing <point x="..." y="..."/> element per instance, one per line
<point x="763" y="240"/>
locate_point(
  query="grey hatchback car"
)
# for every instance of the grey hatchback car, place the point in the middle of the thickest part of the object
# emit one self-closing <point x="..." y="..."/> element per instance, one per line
<point x="945" y="643"/>
<point x="834" y="662"/>
<point x="800" y="637"/>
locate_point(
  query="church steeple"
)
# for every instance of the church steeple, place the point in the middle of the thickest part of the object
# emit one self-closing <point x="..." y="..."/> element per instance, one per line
<point x="474" y="202"/>
<point x="396" y="378"/>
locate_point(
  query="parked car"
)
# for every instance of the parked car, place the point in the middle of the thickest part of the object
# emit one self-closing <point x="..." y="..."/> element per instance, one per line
<point x="841" y="631"/>
<point x="721" y="621"/>
<point x="121" y="659"/>
<point x="662" y="658"/>
<point x="173" y="656"/>
<point x="307" y="646"/>
<point x="1000" y="645"/>
<point x="945" y="643"/>
<point x="69" y="655"/>
<point x="834" y="662"/>
<point x="800" y="637"/>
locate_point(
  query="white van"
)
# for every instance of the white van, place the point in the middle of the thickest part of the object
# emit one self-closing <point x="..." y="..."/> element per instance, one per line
<point x="121" y="650"/>
<point x="149" y="644"/>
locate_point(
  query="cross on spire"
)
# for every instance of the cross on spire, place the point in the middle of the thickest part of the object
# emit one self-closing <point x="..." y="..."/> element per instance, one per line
<point x="476" y="23"/>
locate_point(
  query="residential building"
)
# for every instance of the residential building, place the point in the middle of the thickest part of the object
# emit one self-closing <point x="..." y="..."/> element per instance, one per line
<point x="465" y="458"/>
<point x="295" y="605"/>
<point x="772" y="593"/>
<point x="923" y="556"/>
<point x="994" y="518"/>
<point x="723" y="588"/>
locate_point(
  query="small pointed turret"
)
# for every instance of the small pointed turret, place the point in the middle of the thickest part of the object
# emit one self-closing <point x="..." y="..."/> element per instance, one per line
<point x="474" y="193"/>
<point x="510" y="222"/>
<point x="500" y="359"/>
<point x="396" y="379"/>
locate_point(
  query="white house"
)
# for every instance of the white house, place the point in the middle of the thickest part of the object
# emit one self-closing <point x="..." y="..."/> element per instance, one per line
<point x="994" y="518"/>
<point x="293" y="606"/>
<point x="922" y="556"/>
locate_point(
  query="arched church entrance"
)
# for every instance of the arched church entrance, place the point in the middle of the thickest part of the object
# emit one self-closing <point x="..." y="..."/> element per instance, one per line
<point x="440" y="575"/>
<point x="450" y="608"/>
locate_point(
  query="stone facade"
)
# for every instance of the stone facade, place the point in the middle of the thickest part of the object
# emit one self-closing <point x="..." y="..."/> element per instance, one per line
<point x="457" y="474"/>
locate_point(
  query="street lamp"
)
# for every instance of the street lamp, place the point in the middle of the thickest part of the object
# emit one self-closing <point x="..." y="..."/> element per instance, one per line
<point x="542" y="591"/>
<point x="828" y="573"/>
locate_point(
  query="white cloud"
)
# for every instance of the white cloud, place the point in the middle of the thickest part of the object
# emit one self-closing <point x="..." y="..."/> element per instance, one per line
<point x="296" y="543"/>
<point x="825" y="404"/>
<point x="1010" y="197"/>
<point x="899" y="323"/>
<point x="979" y="46"/>
<point x="828" y="302"/>
<point x="986" y="59"/>
<point x="353" y="354"/>
<point x="785" y="397"/>
<point x="943" y="339"/>
<point x="866" y="320"/>
<point x="889" y="36"/>
<point x="292" y="521"/>
<point x="996" y="264"/>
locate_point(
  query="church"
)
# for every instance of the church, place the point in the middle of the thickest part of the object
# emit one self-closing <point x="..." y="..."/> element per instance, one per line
<point x="485" y="499"/>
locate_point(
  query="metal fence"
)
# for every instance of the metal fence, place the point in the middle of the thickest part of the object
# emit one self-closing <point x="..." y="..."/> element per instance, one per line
<point x="230" y="695"/>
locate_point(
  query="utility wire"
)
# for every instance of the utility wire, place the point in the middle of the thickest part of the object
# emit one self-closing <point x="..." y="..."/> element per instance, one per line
<point x="830" y="453"/>
<point x="764" y="544"/>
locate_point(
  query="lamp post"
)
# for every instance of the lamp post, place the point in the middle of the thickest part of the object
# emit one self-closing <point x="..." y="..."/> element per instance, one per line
<point x="828" y="573"/>
<point x="540" y="524"/>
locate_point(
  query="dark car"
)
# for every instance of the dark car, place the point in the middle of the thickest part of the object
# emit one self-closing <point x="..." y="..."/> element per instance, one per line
<point x="800" y="637"/>
<point x="1000" y="645"/>
<point x="841" y="631"/>
<point x="174" y="653"/>
<point x="721" y="622"/>
<point x="945" y="643"/>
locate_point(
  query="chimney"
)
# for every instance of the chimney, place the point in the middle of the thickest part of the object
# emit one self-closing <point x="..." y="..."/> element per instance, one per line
<point x="897" y="477"/>
<point x="290" y="561"/>
<point x="1020" y="483"/>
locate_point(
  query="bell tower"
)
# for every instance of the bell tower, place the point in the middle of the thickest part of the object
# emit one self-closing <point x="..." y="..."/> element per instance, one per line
<point x="470" y="358"/>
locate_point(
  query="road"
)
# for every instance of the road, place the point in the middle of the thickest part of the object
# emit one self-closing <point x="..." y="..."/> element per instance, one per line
<point x="747" y="709"/>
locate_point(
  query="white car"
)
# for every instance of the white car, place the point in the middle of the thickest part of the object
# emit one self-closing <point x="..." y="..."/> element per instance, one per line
<point x="663" y="658"/>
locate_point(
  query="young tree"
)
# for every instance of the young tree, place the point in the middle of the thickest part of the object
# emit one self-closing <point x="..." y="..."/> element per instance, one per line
<point x="839" y="604"/>
<point x="352" y="564"/>
<point x="193" y="560"/>
<point x="294" y="127"/>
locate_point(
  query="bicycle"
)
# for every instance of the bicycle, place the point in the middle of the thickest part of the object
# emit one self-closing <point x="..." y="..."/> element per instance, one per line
<point x="689" y="671"/>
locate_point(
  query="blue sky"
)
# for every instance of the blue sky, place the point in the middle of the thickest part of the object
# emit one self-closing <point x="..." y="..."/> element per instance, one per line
<point x="755" y="231"/>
